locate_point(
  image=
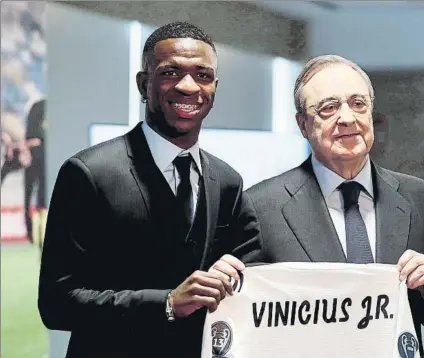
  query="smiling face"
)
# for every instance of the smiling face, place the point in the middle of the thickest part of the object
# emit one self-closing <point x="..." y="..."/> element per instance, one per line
<point x="337" y="119"/>
<point x="179" y="84"/>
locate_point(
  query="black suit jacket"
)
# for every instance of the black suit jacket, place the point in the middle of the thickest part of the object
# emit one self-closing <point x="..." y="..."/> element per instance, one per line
<point x="288" y="215"/>
<point x="107" y="264"/>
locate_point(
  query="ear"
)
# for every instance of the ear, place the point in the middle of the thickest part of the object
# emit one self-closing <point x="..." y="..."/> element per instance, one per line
<point x="142" y="79"/>
<point x="216" y="86"/>
<point x="301" y="122"/>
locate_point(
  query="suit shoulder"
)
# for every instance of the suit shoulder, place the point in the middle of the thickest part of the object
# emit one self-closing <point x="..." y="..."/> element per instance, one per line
<point x="407" y="181"/>
<point x="223" y="168"/>
<point x="411" y="187"/>
<point x="102" y="155"/>
<point x="267" y="188"/>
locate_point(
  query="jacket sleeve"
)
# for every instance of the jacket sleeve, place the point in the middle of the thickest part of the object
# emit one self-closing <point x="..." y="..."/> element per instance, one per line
<point x="65" y="298"/>
<point x="248" y="243"/>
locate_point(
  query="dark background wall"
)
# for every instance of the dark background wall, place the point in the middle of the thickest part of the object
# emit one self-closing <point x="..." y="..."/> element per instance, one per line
<point x="239" y="24"/>
<point x="399" y="121"/>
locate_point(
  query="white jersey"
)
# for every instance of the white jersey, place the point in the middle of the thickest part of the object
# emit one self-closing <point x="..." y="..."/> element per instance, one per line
<point x="313" y="310"/>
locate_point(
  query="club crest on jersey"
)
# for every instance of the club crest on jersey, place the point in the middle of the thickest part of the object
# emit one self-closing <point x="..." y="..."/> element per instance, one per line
<point x="407" y="345"/>
<point x="222" y="338"/>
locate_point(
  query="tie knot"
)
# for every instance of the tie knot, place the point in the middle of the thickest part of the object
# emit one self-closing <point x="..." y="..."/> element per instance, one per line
<point x="183" y="165"/>
<point x="350" y="192"/>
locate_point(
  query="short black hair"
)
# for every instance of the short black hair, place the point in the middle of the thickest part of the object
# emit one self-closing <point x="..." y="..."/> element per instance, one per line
<point x="173" y="30"/>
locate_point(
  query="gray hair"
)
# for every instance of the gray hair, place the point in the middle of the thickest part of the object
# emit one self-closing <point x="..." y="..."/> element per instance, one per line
<point x="315" y="65"/>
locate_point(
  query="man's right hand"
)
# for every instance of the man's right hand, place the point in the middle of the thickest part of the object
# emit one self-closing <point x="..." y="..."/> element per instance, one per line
<point x="201" y="289"/>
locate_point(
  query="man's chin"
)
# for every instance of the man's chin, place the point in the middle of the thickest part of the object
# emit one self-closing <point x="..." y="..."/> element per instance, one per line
<point x="184" y="125"/>
<point x="349" y="155"/>
<point x="358" y="150"/>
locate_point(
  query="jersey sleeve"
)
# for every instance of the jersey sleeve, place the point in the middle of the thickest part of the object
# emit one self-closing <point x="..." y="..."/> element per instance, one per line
<point x="406" y="342"/>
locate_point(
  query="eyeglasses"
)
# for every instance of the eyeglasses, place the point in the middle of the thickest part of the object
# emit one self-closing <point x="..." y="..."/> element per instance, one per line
<point x="328" y="107"/>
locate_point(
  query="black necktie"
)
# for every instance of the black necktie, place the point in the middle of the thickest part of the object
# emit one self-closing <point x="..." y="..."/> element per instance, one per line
<point x="184" y="192"/>
<point x="358" y="247"/>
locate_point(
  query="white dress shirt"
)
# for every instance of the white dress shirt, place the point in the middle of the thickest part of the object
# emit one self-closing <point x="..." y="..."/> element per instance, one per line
<point x="164" y="152"/>
<point x="329" y="181"/>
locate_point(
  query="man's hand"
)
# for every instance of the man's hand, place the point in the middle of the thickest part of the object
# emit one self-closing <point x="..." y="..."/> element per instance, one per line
<point x="227" y="265"/>
<point x="411" y="267"/>
<point x="201" y="289"/>
<point x="8" y="146"/>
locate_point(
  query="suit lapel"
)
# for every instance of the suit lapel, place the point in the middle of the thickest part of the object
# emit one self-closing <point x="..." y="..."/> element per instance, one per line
<point x="393" y="216"/>
<point x="143" y="168"/>
<point x="212" y="196"/>
<point x="307" y="215"/>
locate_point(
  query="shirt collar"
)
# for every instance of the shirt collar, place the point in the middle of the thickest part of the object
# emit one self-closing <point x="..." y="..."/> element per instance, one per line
<point x="164" y="152"/>
<point x="329" y="180"/>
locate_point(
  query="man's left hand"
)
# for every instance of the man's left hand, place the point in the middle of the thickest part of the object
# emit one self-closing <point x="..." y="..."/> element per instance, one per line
<point x="228" y="265"/>
<point x="411" y="267"/>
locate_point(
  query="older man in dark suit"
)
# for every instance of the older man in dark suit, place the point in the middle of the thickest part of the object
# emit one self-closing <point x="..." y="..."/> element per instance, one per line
<point x="135" y="222"/>
<point x="338" y="206"/>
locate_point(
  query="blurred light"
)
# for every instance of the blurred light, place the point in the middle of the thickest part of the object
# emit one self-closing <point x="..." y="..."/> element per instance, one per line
<point x="256" y="155"/>
<point x="134" y="67"/>
<point x="284" y="74"/>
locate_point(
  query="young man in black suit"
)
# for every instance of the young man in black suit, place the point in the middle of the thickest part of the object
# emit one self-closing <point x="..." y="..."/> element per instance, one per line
<point x="135" y="223"/>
